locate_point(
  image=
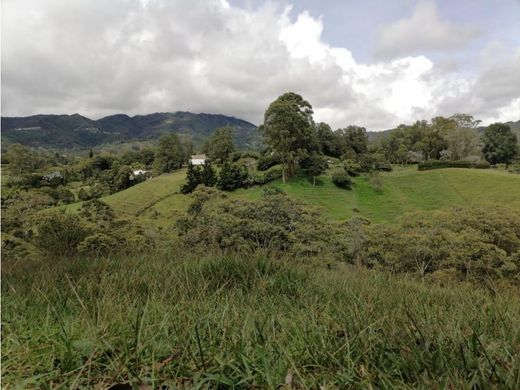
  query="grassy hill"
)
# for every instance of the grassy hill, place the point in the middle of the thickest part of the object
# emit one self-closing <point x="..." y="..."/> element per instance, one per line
<point x="404" y="190"/>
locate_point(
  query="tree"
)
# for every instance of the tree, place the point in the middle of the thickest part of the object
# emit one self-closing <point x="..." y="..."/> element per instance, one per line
<point x="208" y="176"/>
<point x="330" y="143"/>
<point x="23" y="160"/>
<point x="356" y="139"/>
<point x="232" y="176"/>
<point x="193" y="179"/>
<point x="458" y="132"/>
<point x="288" y="129"/>
<point x="500" y="144"/>
<point x="170" y="154"/>
<point x="315" y="164"/>
<point x="220" y="146"/>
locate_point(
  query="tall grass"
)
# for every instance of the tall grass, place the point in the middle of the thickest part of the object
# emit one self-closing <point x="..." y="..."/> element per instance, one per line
<point x="238" y="322"/>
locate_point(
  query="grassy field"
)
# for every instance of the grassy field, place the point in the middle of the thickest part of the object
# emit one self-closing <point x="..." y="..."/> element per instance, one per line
<point x="248" y="323"/>
<point x="404" y="190"/>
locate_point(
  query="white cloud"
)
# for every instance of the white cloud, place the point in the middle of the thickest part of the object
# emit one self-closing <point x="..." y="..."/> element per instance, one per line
<point x="423" y="30"/>
<point x="100" y="58"/>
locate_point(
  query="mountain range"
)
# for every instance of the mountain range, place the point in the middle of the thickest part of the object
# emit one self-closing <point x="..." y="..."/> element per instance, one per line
<point x="77" y="131"/>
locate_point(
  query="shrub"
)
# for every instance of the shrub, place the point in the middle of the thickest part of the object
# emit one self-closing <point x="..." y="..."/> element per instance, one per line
<point x="232" y="176"/>
<point x="352" y="168"/>
<point x="274" y="223"/>
<point x="439" y="164"/>
<point x="266" y="161"/>
<point x="261" y="178"/>
<point x="98" y="243"/>
<point x="342" y="179"/>
<point x="479" y="244"/>
<point x="83" y="195"/>
<point x="375" y="182"/>
<point x="383" y="166"/>
<point x="515" y="167"/>
<point x="59" y="233"/>
<point x="481" y="165"/>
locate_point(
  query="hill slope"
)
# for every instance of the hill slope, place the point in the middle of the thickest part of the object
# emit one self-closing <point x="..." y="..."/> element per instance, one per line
<point x="404" y="190"/>
<point x="76" y="131"/>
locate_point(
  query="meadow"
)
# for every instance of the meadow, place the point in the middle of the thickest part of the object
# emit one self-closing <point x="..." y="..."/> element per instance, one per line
<point x="404" y="190"/>
<point x="169" y="319"/>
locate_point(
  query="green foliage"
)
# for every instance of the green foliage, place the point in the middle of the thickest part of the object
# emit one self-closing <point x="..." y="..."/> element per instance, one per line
<point x="274" y="223"/>
<point x="220" y="146"/>
<point x="23" y="160"/>
<point x="439" y="164"/>
<point x="59" y="233"/>
<point x="288" y="129"/>
<point x="479" y="244"/>
<point x="170" y="154"/>
<point x="193" y="179"/>
<point x="375" y="181"/>
<point x="500" y="144"/>
<point x="352" y="168"/>
<point x="356" y="140"/>
<point x="232" y="176"/>
<point x="342" y="179"/>
<point x="267" y="160"/>
<point x="314" y="165"/>
<point x="271" y="174"/>
<point x="208" y="175"/>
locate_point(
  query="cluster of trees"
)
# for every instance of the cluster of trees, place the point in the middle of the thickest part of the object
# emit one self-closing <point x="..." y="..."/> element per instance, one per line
<point x="94" y="231"/>
<point x="450" y="139"/>
<point x="478" y="245"/>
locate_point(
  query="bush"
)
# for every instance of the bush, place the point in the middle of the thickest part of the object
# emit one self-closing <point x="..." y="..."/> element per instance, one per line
<point x="352" y="168"/>
<point x="481" y="165"/>
<point x="385" y="167"/>
<point x="274" y="223"/>
<point x="342" y="179"/>
<point x="479" y="244"/>
<point x="232" y="176"/>
<point x="266" y="161"/>
<point x="267" y="176"/>
<point x="59" y="233"/>
<point x="438" y="164"/>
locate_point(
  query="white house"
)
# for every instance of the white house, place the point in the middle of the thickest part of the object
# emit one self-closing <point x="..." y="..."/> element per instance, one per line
<point x="198" y="159"/>
<point x="138" y="172"/>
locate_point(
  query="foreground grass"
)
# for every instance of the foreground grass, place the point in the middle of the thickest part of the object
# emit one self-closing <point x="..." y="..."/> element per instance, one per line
<point x="246" y="322"/>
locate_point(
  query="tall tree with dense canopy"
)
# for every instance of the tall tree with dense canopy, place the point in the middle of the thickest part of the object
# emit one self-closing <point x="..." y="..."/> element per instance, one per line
<point x="288" y="129"/>
<point x="170" y="154"/>
<point x="500" y="144"/>
<point x="220" y="146"/>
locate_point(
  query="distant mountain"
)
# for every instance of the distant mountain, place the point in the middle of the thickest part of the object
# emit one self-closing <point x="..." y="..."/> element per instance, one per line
<point x="76" y="131"/>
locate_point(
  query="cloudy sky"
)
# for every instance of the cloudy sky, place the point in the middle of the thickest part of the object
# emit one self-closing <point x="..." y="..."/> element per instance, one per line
<point x="371" y="63"/>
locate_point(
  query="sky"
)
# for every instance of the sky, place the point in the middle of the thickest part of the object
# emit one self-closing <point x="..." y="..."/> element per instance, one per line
<point x="370" y="63"/>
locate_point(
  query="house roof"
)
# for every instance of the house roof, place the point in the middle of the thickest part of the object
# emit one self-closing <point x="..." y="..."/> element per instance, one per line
<point x="198" y="157"/>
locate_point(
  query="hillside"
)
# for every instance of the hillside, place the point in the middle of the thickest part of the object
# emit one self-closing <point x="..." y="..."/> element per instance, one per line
<point x="76" y="131"/>
<point x="404" y="190"/>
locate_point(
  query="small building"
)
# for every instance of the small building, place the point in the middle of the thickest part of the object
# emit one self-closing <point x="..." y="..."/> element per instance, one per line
<point x="198" y="159"/>
<point x="139" y="172"/>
